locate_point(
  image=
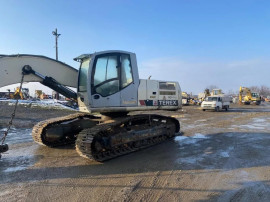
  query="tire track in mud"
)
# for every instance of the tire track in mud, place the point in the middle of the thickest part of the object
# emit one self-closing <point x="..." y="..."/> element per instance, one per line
<point x="154" y="187"/>
<point x="219" y="121"/>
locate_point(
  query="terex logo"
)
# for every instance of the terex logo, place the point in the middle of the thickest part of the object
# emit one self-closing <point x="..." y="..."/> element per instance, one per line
<point x="168" y="102"/>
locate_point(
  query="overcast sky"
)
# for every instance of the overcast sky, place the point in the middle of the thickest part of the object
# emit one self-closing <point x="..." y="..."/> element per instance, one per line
<point x="195" y="42"/>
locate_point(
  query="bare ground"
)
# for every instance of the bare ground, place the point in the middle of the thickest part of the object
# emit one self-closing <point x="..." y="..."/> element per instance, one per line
<point x="223" y="156"/>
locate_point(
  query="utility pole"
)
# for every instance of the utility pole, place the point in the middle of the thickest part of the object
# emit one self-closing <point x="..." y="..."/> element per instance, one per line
<point x="56" y="51"/>
<point x="56" y="42"/>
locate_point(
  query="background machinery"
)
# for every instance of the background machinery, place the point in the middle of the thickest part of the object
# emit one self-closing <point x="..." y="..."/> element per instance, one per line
<point x="107" y="82"/>
<point x="247" y="97"/>
<point x="22" y="95"/>
<point x="216" y="92"/>
<point x="203" y="95"/>
<point x="206" y="93"/>
<point x="185" y="98"/>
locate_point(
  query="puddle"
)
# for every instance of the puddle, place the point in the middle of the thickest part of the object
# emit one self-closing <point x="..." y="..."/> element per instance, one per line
<point x="223" y="150"/>
<point x="11" y="164"/>
<point x="17" y="135"/>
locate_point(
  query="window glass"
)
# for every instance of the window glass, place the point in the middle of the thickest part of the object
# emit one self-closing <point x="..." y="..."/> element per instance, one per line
<point x="106" y="68"/>
<point x="83" y="76"/>
<point x="166" y="86"/>
<point x="126" y="72"/>
<point x="108" y="88"/>
<point x="106" y="81"/>
<point x="211" y="99"/>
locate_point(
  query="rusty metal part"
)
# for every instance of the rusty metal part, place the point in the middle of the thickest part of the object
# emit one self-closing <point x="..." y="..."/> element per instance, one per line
<point x="107" y="141"/>
<point x="62" y="130"/>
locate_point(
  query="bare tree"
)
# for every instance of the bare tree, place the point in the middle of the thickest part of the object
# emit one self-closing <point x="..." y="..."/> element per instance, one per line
<point x="254" y="89"/>
<point x="232" y="92"/>
<point x="263" y="90"/>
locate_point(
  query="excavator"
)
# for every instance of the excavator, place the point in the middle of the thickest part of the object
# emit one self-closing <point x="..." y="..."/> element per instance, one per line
<point x="21" y="94"/>
<point x="185" y="98"/>
<point x="247" y="97"/>
<point x="108" y="88"/>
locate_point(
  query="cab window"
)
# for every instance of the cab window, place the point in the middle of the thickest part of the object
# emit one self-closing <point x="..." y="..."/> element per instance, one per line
<point x="112" y="72"/>
<point x="83" y="75"/>
<point x="106" y="76"/>
<point x="126" y="71"/>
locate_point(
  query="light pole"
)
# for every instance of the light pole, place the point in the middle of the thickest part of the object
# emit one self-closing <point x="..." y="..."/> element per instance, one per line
<point x="56" y="51"/>
<point x="56" y="42"/>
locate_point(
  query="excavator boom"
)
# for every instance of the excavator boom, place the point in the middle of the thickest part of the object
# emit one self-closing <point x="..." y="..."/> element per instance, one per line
<point x="11" y="70"/>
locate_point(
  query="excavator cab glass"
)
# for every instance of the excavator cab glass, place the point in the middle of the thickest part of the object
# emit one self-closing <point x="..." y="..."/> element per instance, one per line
<point x="83" y="75"/>
<point x="112" y="72"/>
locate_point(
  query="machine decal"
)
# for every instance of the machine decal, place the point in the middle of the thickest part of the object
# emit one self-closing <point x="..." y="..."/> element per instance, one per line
<point x="146" y="102"/>
<point x="130" y="102"/>
<point x="168" y="103"/>
<point x="159" y="102"/>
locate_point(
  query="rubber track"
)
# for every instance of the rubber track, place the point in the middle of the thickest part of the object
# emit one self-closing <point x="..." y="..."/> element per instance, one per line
<point x="86" y="137"/>
<point x="40" y="128"/>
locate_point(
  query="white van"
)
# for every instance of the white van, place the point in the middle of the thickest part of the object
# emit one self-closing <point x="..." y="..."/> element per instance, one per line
<point x="216" y="102"/>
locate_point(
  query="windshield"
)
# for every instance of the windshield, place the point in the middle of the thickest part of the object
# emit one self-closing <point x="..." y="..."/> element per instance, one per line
<point x="255" y="95"/>
<point x="211" y="99"/>
<point x="83" y="75"/>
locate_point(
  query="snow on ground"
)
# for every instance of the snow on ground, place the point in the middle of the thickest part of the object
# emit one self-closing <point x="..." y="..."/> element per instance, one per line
<point x="190" y="140"/>
<point x="49" y="103"/>
<point x="261" y="124"/>
<point x="196" y="141"/>
<point x="191" y="126"/>
<point x="17" y="135"/>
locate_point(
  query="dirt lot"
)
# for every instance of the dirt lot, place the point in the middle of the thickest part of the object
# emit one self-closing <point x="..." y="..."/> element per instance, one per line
<point x="222" y="156"/>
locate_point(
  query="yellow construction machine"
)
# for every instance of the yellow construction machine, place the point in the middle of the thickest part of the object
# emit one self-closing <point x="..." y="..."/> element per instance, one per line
<point x="247" y="97"/>
<point x="216" y="92"/>
<point x="17" y="94"/>
<point x="23" y="94"/>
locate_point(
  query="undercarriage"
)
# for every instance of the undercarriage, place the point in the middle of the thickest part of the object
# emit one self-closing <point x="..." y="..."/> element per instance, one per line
<point x="101" y="139"/>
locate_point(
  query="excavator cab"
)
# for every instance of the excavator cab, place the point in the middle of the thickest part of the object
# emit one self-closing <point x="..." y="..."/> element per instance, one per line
<point x="107" y="81"/>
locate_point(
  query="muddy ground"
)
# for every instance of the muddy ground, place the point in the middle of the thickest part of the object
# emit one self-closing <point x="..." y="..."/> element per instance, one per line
<point x="222" y="156"/>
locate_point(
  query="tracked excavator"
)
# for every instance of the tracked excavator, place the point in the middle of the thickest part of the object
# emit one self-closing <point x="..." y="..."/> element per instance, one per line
<point x="108" y="84"/>
<point x="247" y="97"/>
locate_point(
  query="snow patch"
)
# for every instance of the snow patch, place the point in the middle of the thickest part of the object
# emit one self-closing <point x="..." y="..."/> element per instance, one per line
<point x="49" y="103"/>
<point x="224" y="154"/>
<point x="180" y="138"/>
<point x="251" y="127"/>
<point x="190" y="140"/>
<point x="199" y="136"/>
<point x="14" y="169"/>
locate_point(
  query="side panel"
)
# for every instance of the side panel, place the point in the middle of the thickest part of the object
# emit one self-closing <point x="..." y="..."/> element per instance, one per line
<point x="11" y="69"/>
<point x="142" y="92"/>
<point x="129" y="95"/>
<point x="109" y="101"/>
<point x="160" y="94"/>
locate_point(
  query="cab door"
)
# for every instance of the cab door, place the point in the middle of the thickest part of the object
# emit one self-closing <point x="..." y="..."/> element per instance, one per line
<point x="128" y="84"/>
<point x="105" y="82"/>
